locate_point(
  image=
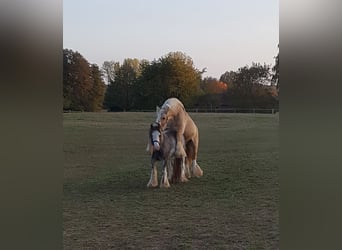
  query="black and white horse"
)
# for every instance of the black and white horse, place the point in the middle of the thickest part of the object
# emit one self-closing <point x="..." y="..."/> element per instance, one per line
<point x="162" y="147"/>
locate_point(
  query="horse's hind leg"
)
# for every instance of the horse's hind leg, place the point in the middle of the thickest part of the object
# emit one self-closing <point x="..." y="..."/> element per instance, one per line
<point x="183" y="170"/>
<point x="153" y="182"/>
<point x="187" y="162"/>
<point x="195" y="168"/>
<point x="164" y="182"/>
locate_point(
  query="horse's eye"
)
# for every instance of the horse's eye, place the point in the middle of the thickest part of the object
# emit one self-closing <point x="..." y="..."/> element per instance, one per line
<point x="163" y="118"/>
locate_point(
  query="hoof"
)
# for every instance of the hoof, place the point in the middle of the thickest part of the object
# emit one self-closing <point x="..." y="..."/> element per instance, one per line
<point x="164" y="182"/>
<point x="197" y="171"/>
<point x="150" y="185"/>
<point x="164" y="185"/>
<point x="184" y="179"/>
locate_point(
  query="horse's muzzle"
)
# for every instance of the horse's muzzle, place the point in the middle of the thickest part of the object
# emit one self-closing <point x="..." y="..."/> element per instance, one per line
<point x="156" y="146"/>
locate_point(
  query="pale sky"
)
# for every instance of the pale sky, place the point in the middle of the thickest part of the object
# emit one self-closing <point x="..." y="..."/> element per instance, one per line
<point x="221" y="35"/>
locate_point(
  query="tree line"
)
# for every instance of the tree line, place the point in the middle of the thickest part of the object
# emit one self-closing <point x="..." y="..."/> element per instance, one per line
<point x="140" y="84"/>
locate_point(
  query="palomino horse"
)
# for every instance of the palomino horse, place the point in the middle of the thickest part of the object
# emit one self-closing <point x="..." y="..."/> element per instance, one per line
<point x="162" y="146"/>
<point x="172" y="116"/>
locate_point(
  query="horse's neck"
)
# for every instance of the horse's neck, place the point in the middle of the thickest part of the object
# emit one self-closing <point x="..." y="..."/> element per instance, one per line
<point x="168" y="140"/>
<point x="168" y="132"/>
<point x="174" y="104"/>
<point x="174" y="101"/>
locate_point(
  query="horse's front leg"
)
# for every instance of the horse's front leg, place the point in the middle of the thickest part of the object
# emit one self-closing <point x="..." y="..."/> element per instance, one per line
<point x="153" y="182"/>
<point x="164" y="182"/>
<point x="170" y="170"/>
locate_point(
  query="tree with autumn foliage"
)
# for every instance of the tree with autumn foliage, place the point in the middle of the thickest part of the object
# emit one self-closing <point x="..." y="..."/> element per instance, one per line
<point x="212" y="91"/>
<point x="181" y="78"/>
<point x="228" y="77"/>
<point x="211" y="85"/>
<point x="173" y="75"/>
<point x="83" y="87"/>
<point x="98" y="89"/>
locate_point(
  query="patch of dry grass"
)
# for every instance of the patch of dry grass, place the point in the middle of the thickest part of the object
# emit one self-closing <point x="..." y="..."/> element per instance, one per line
<point x="233" y="206"/>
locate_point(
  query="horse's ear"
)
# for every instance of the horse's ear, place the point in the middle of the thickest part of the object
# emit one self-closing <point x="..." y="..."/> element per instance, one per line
<point x="157" y="109"/>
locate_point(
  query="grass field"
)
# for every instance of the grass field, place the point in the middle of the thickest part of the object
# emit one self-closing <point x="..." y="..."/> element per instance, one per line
<point x="106" y="203"/>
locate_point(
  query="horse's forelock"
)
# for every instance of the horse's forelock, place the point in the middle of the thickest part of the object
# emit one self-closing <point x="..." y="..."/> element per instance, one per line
<point x="162" y="111"/>
<point x="155" y="126"/>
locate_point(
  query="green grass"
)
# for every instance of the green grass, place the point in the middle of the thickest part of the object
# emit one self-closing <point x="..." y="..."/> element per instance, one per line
<point x="106" y="204"/>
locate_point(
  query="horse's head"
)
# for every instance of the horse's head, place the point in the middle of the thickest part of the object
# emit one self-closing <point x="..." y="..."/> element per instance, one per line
<point x="162" y="116"/>
<point x="155" y="135"/>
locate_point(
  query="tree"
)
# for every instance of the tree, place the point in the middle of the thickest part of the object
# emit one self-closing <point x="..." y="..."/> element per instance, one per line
<point x="228" y="77"/>
<point x="248" y="80"/>
<point x="110" y="68"/>
<point x="83" y="88"/>
<point x="173" y="75"/>
<point x="120" y="93"/>
<point x="181" y="76"/>
<point x="249" y="87"/>
<point x="76" y="82"/>
<point x="275" y="69"/>
<point x="150" y="89"/>
<point x="211" y="85"/>
<point x="98" y="89"/>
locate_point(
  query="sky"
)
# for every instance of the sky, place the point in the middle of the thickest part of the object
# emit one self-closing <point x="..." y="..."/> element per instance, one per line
<point x="220" y="35"/>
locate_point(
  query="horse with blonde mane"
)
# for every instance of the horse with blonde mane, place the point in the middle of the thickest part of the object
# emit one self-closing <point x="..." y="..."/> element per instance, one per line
<point x="172" y="116"/>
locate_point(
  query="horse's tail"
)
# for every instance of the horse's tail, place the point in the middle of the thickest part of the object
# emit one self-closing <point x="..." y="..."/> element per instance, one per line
<point x="149" y="147"/>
